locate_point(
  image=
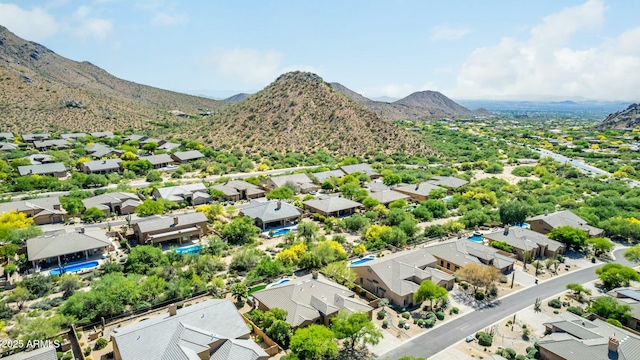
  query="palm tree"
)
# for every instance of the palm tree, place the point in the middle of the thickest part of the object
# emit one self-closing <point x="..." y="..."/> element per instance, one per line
<point x="239" y="292"/>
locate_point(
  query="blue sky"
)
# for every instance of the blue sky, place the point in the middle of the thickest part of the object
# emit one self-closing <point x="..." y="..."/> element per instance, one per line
<point x="489" y="49"/>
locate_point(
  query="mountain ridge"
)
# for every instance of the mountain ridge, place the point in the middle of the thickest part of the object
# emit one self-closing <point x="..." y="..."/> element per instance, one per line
<point x="627" y="118"/>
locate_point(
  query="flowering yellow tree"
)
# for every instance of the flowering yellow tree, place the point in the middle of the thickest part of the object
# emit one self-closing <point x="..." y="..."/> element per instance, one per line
<point x="291" y="255"/>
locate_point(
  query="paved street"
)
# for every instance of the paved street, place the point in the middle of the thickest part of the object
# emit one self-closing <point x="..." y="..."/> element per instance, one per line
<point x="441" y="337"/>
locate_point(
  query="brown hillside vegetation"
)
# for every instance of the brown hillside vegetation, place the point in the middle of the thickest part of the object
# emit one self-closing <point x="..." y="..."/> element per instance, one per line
<point x="36" y="85"/>
<point x="627" y="118"/>
<point x="300" y="112"/>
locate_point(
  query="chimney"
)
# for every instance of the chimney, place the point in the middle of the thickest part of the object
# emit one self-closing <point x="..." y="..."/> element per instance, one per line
<point x="104" y="161"/>
<point x="175" y="220"/>
<point x="506" y="230"/>
<point x="30" y="171"/>
<point x="613" y="344"/>
<point x="546" y="213"/>
<point x="314" y="274"/>
<point x="279" y="205"/>
<point x="173" y="309"/>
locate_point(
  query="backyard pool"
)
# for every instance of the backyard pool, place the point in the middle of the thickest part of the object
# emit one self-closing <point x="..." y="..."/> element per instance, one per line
<point x="72" y="268"/>
<point x="284" y="231"/>
<point x="448" y="198"/>
<point x="279" y="282"/>
<point x="191" y="249"/>
<point x="476" y="238"/>
<point x="363" y="260"/>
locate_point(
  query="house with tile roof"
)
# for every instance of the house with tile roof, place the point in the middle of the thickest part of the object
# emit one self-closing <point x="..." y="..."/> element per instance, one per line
<point x="158" y="161"/>
<point x="453" y="255"/>
<point x="182" y="157"/>
<point x="119" y="203"/>
<point x="101" y="151"/>
<point x="212" y="329"/>
<point x="45" y="145"/>
<point x="6" y="146"/>
<point x="271" y="213"/>
<point x="30" y="138"/>
<point x="310" y="299"/>
<point x="450" y="182"/>
<point x="629" y="296"/>
<point x="38" y="159"/>
<point x="572" y="337"/>
<point x="332" y="206"/>
<point x="177" y="227"/>
<point x="42" y="353"/>
<point x="418" y="192"/>
<point x="168" y="146"/>
<point x="107" y="166"/>
<point x="73" y="136"/>
<point x="360" y="168"/>
<point x="527" y="241"/>
<point x="236" y="190"/>
<point x="324" y="175"/>
<point x="397" y="276"/>
<point x="386" y="197"/>
<point x="42" y="210"/>
<point x="67" y="245"/>
<point x="7" y="136"/>
<point x="103" y="134"/>
<point x="301" y="180"/>
<point x="192" y="194"/>
<point x="53" y="169"/>
<point x="546" y="222"/>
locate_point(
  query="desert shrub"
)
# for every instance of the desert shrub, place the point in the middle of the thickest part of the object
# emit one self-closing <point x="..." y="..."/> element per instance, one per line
<point x="381" y="315"/>
<point x="555" y="303"/>
<point x="406" y="315"/>
<point x="521" y="357"/>
<point x="465" y="286"/>
<point x="401" y="322"/>
<point x="431" y="315"/>
<point x="493" y="290"/>
<point x="509" y="353"/>
<point x="479" y="295"/>
<point x="385" y="323"/>
<point x="87" y="351"/>
<point x="455" y="310"/>
<point x="484" y="339"/>
<point x="440" y="315"/>
<point x="504" y="280"/>
<point x="101" y="344"/>
<point x="429" y="322"/>
<point x="576" y="310"/>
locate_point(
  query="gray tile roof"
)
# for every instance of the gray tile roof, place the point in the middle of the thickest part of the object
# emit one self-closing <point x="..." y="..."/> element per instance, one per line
<point x="7" y="136"/>
<point x="322" y="176"/>
<point x="44" y="353"/>
<point x="388" y="196"/>
<point x="47" y="203"/>
<point x="298" y="179"/>
<point x="63" y="242"/>
<point x="59" y="143"/>
<point x="233" y="187"/>
<point x="169" y="146"/>
<point x="567" y="218"/>
<point x="524" y="239"/>
<point x="376" y="186"/>
<point x="182" y="192"/>
<point x="115" y="198"/>
<point x="5" y="146"/>
<point x="463" y="251"/>
<point x="166" y="222"/>
<point x="134" y="137"/>
<point x="37" y="159"/>
<point x="157" y="159"/>
<point x="191" y="331"/>
<point x="268" y="211"/>
<point x="422" y="189"/>
<point x="332" y="204"/>
<point x="101" y="150"/>
<point x="103" y="134"/>
<point x="361" y="168"/>
<point x="34" y="137"/>
<point x="305" y="299"/>
<point x="187" y="155"/>
<point x="41" y="169"/>
<point x="72" y="136"/>
<point x="102" y="165"/>
<point x="448" y="181"/>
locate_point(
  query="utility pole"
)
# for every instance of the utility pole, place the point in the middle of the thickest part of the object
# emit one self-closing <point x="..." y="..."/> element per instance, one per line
<point x="513" y="278"/>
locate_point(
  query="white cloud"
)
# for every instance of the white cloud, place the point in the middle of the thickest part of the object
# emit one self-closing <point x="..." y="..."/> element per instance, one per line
<point x="443" y="32"/>
<point x="251" y="66"/>
<point x="86" y="26"/>
<point x="34" y="24"/>
<point x="164" y="19"/>
<point x="544" y="66"/>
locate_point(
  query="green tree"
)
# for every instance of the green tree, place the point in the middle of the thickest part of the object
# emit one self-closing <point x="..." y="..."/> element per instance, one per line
<point x="513" y="212"/>
<point x="39" y="285"/>
<point x="609" y="308"/>
<point x="93" y="214"/>
<point x="600" y="245"/>
<point x="143" y="259"/>
<point x="391" y="179"/>
<point x="307" y="230"/>
<point x="154" y="176"/>
<point x="355" y="328"/>
<point x="437" y="207"/>
<point x="428" y="290"/>
<point x="239" y="292"/>
<point x="280" y="193"/>
<point x="314" y="342"/>
<point x="615" y="275"/>
<point x="68" y="284"/>
<point x="246" y="258"/>
<point x="151" y="287"/>
<point x="632" y="254"/>
<point x="280" y="331"/>
<point x="150" y="207"/>
<point x="240" y="231"/>
<point x="572" y="237"/>
<point x="19" y="295"/>
<point x="340" y="272"/>
<point x="95" y="180"/>
<point x="578" y="289"/>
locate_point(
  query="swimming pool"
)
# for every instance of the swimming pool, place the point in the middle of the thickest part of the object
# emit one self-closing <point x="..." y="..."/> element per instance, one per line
<point x="72" y="268"/>
<point x="363" y="260"/>
<point x="191" y="249"/>
<point x="476" y="238"/>
<point x="448" y="198"/>
<point x="279" y="282"/>
<point x="283" y="231"/>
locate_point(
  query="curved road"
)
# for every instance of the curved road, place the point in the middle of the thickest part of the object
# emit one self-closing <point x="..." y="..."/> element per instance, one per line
<point x="441" y="337"/>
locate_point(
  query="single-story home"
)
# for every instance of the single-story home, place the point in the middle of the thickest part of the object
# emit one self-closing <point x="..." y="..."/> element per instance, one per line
<point x="386" y="197"/>
<point x="236" y="190"/>
<point x="53" y="169"/>
<point x="310" y="299"/>
<point x="158" y="161"/>
<point x="152" y="140"/>
<point x="301" y="180"/>
<point x="418" y="192"/>
<point x="360" y="168"/>
<point x="271" y="213"/>
<point x="397" y="276"/>
<point x="322" y="176"/>
<point x="193" y="194"/>
<point x="332" y="206"/>
<point x="66" y="245"/>
<point x="212" y="329"/>
<point x="168" y="146"/>
<point x="134" y="137"/>
<point x="41" y="353"/>
<point x="73" y="136"/>
<point x="547" y="222"/>
<point x="101" y="151"/>
<point x="7" y="136"/>
<point x="52" y="143"/>
<point x="31" y="138"/>
<point x="182" y="157"/>
<point x="38" y="159"/>
<point x="450" y="182"/>
<point x="101" y="166"/>
<point x="119" y="203"/>
<point x="629" y="296"/>
<point x="524" y="240"/>
<point x="45" y="210"/>
<point x="103" y="134"/>
<point x="178" y="227"/>
<point x="451" y="256"/>
<point x="5" y="146"/>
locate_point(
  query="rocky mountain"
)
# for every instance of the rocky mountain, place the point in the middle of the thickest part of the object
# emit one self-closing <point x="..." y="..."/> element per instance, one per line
<point x="237" y="98"/>
<point x="421" y="105"/>
<point x="627" y="118"/>
<point x="301" y="112"/>
<point x="41" y="90"/>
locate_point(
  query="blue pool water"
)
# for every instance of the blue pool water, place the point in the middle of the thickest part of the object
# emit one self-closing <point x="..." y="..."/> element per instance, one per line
<point x="191" y="249"/>
<point x="363" y="260"/>
<point x="74" y="267"/>
<point x="279" y="282"/>
<point x="448" y="198"/>
<point x="476" y="238"/>
<point x="284" y="231"/>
